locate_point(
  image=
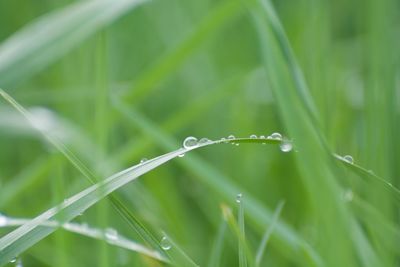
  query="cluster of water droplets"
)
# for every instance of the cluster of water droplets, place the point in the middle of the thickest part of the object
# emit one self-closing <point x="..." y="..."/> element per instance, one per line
<point x="239" y="198"/>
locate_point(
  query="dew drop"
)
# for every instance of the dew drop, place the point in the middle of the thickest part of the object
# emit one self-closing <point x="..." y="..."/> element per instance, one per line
<point x="111" y="234"/>
<point x="239" y="198"/>
<point x="143" y="160"/>
<point x="349" y="159"/>
<point x="165" y="244"/>
<point x="190" y="142"/>
<point x="13" y="260"/>
<point x="3" y="220"/>
<point x="286" y="146"/>
<point x="276" y="136"/>
<point x="253" y="136"/>
<point x="231" y="137"/>
<point x="348" y="195"/>
<point x="181" y="155"/>
<point x="262" y="136"/>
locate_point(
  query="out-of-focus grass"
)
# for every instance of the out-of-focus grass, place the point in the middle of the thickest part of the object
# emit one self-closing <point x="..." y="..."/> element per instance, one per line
<point x="135" y="82"/>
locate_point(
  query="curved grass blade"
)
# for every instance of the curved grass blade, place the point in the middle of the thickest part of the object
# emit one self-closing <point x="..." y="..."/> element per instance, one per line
<point x="30" y="233"/>
<point x="369" y="174"/>
<point x="92" y="232"/>
<point x="53" y="139"/>
<point x="268" y="232"/>
<point x="45" y="40"/>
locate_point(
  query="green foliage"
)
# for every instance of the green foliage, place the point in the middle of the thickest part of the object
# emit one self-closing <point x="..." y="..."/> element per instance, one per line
<point x="105" y="83"/>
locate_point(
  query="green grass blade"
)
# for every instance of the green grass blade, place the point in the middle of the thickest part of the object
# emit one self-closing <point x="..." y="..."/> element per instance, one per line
<point x="217" y="18"/>
<point x="242" y="240"/>
<point x="84" y="229"/>
<point x="216" y="251"/>
<point x="268" y="233"/>
<point x="45" y="40"/>
<point x="237" y="228"/>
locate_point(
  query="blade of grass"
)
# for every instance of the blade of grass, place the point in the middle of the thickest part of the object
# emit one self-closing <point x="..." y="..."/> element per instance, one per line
<point x="268" y="233"/>
<point x="121" y="209"/>
<point x="242" y="240"/>
<point x="215" y="20"/>
<point x="85" y="230"/>
<point x="217" y="249"/>
<point x="45" y="40"/>
<point x="236" y="228"/>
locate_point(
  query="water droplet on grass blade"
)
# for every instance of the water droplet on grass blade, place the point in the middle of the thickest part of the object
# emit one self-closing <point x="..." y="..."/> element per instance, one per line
<point x="13" y="260"/>
<point x="143" y="160"/>
<point x="165" y="244"/>
<point x="181" y="155"/>
<point x="190" y="142"/>
<point x="253" y="136"/>
<point x="111" y="234"/>
<point x="231" y="137"/>
<point x="286" y="146"/>
<point x="239" y="198"/>
<point x="349" y="159"/>
<point x="276" y="136"/>
<point x="262" y="136"/>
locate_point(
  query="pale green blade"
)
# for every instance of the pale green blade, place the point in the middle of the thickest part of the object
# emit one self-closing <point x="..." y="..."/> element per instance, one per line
<point x="45" y="40"/>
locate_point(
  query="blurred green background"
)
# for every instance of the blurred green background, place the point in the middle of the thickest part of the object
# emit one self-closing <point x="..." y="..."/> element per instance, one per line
<point x="121" y="81"/>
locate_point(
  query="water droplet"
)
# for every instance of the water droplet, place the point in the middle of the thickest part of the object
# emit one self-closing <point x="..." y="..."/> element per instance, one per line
<point x="181" y="155"/>
<point x="111" y="234"/>
<point x="3" y="220"/>
<point x="348" y="195"/>
<point x="231" y="137"/>
<point x="223" y="140"/>
<point x="348" y="158"/>
<point x="286" y="146"/>
<point x="253" y="136"/>
<point x="143" y="160"/>
<point x="262" y="136"/>
<point x="204" y="141"/>
<point x="239" y="198"/>
<point x="276" y="136"/>
<point x="165" y="244"/>
<point x="190" y="142"/>
<point x="13" y="260"/>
